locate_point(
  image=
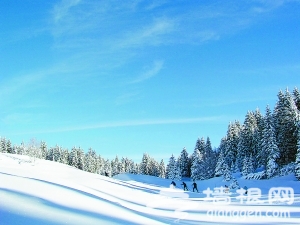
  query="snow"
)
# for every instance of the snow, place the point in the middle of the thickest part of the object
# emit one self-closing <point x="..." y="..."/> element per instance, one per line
<point x="46" y="192"/>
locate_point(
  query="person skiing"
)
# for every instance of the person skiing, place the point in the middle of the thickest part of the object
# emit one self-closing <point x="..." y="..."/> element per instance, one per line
<point x="195" y="187"/>
<point x="184" y="186"/>
<point x="173" y="183"/>
<point x="246" y="190"/>
<point x="106" y="174"/>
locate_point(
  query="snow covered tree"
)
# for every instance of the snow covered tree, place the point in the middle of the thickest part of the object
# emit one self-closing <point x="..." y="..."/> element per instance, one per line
<point x="234" y="184"/>
<point x="115" y="166"/>
<point x="90" y="161"/>
<point x="269" y="153"/>
<point x="296" y="95"/>
<point x="285" y="117"/>
<point x="73" y="158"/>
<point x="43" y="149"/>
<point x="145" y="164"/>
<point x="219" y="170"/>
<point x="107" y="168"/>
<point x="171" y="167"/>
<point x="9" y="148"/>
<point x="247" y="142"/>
<point x="184" y="163"/>
<point x="162" y="169"/>
<point x="196" y="169"/>
<point x="232" y="140"/>
<point x="297" y="161"/>
<point x="226" y="173"/>
<point x="3" y="148"/>
<point x="64" y="157"/>
<point x="177" y="171"/>
<point x="209" y="160"/>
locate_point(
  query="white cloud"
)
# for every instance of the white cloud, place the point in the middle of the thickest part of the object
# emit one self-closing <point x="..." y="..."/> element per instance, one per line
<point x="131" y="123"/>
<point x="156" y="67"/>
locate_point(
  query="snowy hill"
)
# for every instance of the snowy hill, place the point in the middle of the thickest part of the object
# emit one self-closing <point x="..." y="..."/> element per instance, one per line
<point x="46" y="192"/>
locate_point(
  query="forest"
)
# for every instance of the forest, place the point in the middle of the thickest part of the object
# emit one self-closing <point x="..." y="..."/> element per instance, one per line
<point x="263" y="146"/>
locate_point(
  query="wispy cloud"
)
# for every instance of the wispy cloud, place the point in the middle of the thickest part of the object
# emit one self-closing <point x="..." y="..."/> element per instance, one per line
<point x="154" y="70"/>
<point x="131" y="123"/>
<point x="62" y="9"/>
<point x="155" y="33"/>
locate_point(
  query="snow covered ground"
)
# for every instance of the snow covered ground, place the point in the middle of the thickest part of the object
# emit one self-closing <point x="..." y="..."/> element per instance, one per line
<point x="46" y="192"/>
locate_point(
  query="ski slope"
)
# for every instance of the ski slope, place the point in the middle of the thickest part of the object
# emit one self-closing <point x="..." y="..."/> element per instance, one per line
<point x="45" y="192"/>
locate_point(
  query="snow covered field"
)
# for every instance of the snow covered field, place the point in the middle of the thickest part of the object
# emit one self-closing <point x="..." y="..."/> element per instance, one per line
<point x="47" y="192"/>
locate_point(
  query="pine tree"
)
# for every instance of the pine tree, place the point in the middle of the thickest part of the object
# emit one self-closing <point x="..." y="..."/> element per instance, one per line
<point x="115" y="166"/>
<point x="234" y="184"/>
<point x="9" y="148"/>
<point x="245" y="170"/>
<point x="226" y="173"/>
<point x="107" y="168"/>
<point x="144" y="165"/>
<point x="296" y="95"/>
<point x="73" y="158"/>
<point x="196" y="169"/>
<point x="232" y="140"/>
<point x="171" y="167"/>
<point x="177" y="171"/>
<point x="269" y="153"/>
<point x="221" y="160"/>
<point x="297" y="161"/>
<point x="184" y="163"/>
<point x="162" y="169"/>
<point x="285" y="117"/>
<point x="43" y="149"/>
<point x="3" y="148"/>
<point x="209" y="160"/>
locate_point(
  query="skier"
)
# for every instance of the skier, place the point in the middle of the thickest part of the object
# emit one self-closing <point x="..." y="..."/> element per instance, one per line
<point x="195" y="187"/>
<point x="184" y="186"/>
<point x="106" y="174"/>
<point x="173" y="183"/>
<point x="246" y="190"/>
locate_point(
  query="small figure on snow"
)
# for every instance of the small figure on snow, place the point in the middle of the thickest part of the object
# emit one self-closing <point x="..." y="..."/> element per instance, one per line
<point x="184" y="186"/>
<point x="195" y="187"/>
<point x="106" y="174"/>
<point x="226" y="189"/>
<point x="173" y="183"/>
<point x="246" y="190"/>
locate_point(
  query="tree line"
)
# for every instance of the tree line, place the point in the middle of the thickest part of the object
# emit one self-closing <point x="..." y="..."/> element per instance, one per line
<point x="88" y="161"/>
<point x="269" y="142"/>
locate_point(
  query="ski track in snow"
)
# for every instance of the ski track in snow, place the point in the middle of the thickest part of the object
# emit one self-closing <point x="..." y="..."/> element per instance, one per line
<point x="46" y="192"/>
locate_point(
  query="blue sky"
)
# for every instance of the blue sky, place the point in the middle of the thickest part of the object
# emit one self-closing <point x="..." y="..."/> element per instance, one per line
<point x="128" y="77"/>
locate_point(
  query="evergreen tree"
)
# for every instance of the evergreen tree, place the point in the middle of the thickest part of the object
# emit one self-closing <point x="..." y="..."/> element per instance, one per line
<point x="171" y="167"/>
<point x="285" y="118"/>
<point x="296" y="95"/>
<point x="196" y="169"/>
<point x="184" y="163"/>
<point x="177" y="171"/>
<point x="144" y="165"/>
<point x="234" y="184"/>
<point x="3" y="148"/>
<point x="43" y="149"/>
<point x="107" y="167"/>
<point x="232" y="140"/>
<point x="162" y="169"/>
<point x="9" y="148"/>
<point x="269" y="153"/>
<point x="73" y="158"/>
<point x="226" y="173"/>
<point x="209" y="160"/>
<point x="297" y="161"/>
<point x="247" y="142"/>
<point x="115" y="166"/>
<point x="219" y="170"/>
